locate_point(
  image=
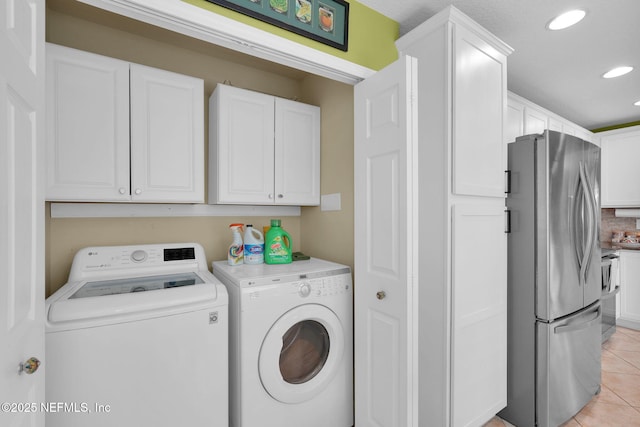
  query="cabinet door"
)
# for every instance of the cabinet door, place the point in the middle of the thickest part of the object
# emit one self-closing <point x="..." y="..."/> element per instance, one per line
<point x="297" y="153"/>
<point x="241" y="138"/>
<point x="480" y="94"/>
<point x="630" y="287"/>
<point x="620" y="172"/>
<point x="167" y="136"/>
<point x="87" y="126"/>
<point x="535" y="121"/>
<point x="479" y="311"/>
<point x="515" y="120"/>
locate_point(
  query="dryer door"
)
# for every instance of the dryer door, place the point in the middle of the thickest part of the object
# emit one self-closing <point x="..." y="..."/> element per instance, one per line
<point x="301" y="353"/>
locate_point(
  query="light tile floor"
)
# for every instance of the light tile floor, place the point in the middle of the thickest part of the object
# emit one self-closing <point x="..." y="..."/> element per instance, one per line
<point x="618" y="404"/>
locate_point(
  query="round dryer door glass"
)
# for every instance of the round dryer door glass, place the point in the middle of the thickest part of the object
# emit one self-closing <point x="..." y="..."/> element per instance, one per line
<point x="301" y="353"/>
<point x="305" y="348"/>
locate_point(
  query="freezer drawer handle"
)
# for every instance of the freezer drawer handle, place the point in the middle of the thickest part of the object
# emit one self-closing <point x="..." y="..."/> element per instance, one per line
<point x="578" y="326"/>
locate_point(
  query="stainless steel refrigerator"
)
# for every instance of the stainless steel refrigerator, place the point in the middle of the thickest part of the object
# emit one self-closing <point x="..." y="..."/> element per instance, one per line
<point x="554" y="278"/>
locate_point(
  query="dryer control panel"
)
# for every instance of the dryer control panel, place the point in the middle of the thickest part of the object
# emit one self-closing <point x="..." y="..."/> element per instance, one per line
<point x="323" y="287"/>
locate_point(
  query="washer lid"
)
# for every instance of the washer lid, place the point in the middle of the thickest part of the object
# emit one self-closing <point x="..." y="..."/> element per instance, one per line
<point x="119" y="300"/>
<point x="136" y="284"/>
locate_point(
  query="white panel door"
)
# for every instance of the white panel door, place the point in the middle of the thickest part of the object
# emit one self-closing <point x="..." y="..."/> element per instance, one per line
<point x="297" y="153"/>
<point x="384" y="286"/>
<point x="87" y="126"/>
<point x="479" y="312"/>
<point x="22" y="214"/>
<point x="167" y="136"/>
<point x="479" y="92"/>
<point x="243" y="146"/>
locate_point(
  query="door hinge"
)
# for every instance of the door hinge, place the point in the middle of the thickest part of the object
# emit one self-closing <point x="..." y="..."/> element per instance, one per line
<point x="507" y="181"/>
<point x="507" y="221"/>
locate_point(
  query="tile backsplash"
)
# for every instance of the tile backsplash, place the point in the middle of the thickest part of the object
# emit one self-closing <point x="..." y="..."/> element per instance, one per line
<point x="609" y="223"/>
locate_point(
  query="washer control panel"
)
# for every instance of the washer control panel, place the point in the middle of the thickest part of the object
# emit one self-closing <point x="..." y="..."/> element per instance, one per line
<point x="323" y="287"/>
<point x="107" y="258"/>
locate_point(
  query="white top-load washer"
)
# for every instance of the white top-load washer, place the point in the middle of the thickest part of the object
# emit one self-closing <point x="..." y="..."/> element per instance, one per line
<point x="291" y="343"/>
<point x="138" y="337"/>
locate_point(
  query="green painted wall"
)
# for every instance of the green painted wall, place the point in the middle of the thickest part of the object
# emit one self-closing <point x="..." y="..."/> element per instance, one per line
<point x="372" y="35"/>
<point x="624" y="125"/>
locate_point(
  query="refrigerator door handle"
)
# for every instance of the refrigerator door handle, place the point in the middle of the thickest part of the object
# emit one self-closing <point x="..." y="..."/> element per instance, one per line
<point x="592" y="226"/>
<point x="576" y="229"/>
<point x="581" y="325"/>
<point x="590" y="215"/>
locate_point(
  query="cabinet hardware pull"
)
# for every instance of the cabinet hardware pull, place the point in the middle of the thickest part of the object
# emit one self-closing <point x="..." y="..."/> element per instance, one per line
<point x="507" y="224"/>
<point x="507" y="181"/>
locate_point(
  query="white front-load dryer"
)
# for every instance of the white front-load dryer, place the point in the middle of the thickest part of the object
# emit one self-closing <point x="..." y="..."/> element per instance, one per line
<point x="291" y="344"/>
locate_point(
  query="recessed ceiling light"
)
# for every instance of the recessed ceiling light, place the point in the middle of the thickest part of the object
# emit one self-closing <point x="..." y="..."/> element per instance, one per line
<point x="567" y="19"/>
<point x="637" y="103"/>
<point x="617" y="72"/>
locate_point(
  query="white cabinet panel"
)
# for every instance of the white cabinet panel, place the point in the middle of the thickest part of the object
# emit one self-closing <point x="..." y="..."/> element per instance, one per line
<point x="514" y="121"/>
<point x="620" y="181"/>
<point x="479" y="335"/>
<point x="122" y="132"/>
<point x="167" y="125"/>
<point x="263" y="149"/>
<point x="297" y="153"/>
<point x="478" y="117"/>
<point x="87" y="126"/>
<point x="630" y="288"/>
<point x="535" y="121"/>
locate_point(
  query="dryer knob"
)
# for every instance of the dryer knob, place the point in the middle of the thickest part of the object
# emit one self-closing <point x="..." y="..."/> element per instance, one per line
<point x="304" y="290"/>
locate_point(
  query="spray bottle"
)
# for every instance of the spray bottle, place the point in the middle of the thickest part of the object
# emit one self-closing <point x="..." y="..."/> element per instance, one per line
<point x="235" y="255"/>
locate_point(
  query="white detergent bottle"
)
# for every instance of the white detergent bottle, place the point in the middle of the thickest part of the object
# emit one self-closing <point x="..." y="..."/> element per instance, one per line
<point x="253" y="246"/>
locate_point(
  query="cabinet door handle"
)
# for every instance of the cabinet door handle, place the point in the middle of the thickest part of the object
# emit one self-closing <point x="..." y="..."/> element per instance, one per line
<point x="280" y="196"/>
<point x="270" y="196"/>
<point x="122" y="190"/>
<point x="381" y="295"/>
<point x="138" y="191"/>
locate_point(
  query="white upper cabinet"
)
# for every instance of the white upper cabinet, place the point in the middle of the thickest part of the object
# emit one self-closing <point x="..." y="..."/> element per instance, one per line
<point x="620" y="175"/>
<point x="479" y="91"/>
<point x="87" y="126"/>
<point x="167" y="136"/>
<point x="263" y="150"/>
<point x="524" y="118"/>
<point x="122" y="132"/>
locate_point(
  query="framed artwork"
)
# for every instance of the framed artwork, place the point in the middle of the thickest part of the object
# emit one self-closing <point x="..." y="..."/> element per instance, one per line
<point x="325" y="21"/>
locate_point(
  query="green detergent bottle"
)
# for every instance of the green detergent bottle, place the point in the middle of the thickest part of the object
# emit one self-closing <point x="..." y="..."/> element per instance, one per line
<point x="277" y="245"/>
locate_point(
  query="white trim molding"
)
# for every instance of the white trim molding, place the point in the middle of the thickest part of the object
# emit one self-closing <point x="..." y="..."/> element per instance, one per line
<point x="151" y="210"/>
<point x="193" y="21"/>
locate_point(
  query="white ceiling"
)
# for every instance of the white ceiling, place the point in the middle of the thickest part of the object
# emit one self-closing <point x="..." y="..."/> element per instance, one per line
<point x="558" y="70"/>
